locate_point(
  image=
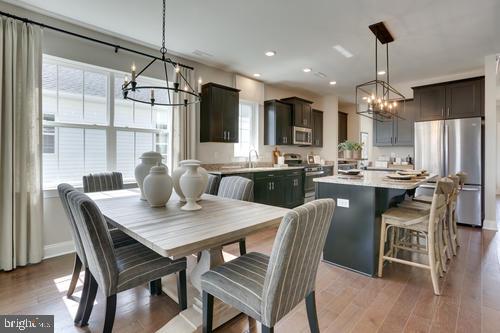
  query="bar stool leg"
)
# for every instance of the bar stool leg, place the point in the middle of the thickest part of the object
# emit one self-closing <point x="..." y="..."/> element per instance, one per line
<point x="382" y="247"/>
<point x="434" y="264"/>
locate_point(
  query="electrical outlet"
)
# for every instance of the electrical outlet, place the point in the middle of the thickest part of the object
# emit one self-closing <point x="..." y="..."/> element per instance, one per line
<point x="343" y="203"/>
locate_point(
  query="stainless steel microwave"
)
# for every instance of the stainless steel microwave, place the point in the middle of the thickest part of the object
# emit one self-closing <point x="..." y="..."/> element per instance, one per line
<point x="302" y="136"/>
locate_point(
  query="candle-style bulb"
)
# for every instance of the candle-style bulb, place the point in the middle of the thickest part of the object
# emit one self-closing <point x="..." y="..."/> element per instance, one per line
<point x="133" y="72"/>
<point x="126" y="80"/>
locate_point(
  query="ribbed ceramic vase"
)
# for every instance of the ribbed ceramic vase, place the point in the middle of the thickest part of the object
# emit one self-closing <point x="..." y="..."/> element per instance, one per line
<point x="148" y="160"/>
<point x="178" y="172"/>
<point x="191" y="184"/>
<point x="157" y="186"/>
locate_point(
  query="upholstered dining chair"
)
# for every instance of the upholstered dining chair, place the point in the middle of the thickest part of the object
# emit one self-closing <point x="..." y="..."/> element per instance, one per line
<point x="237" y="188"/>
<point x="213" y="184"/>
<point x="117" y="269"/>
<point x="267" y="288"/>
<point x="103" y="181"/>
<point x="80" y="259"/>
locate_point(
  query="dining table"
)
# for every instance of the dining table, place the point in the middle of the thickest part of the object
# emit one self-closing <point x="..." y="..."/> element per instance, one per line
<point x="176" y="233"/>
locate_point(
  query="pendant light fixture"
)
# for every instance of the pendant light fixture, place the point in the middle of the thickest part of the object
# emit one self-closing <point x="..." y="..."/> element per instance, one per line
<point x="377" y="99"/>
<point x="161" y="95"/>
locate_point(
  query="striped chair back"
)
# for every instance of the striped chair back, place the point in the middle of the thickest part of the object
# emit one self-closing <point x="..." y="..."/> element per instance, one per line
<point x="64" y="190"/>
<point x="96" y="241"/>
<point x="213" y="184"/>
<point x="235" y="187"/>
<point x="104" y="181"/>
<point x="294" y="260"/>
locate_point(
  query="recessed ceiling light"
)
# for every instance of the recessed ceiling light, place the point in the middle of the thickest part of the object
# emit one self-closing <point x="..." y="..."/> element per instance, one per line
<point x="365" y="98"/>
<point x="307" y="70"/>
<point x="256" y="75"/>
<point x="270" y="53"/>
<point x="340" y="49"/>
<point x="381" y="72"/>
<point x="332" y="83"/>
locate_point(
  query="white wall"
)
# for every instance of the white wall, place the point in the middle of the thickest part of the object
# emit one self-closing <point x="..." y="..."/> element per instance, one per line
<point x="490" y="88"/>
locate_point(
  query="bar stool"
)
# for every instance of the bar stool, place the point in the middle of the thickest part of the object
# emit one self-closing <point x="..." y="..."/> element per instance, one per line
<point x="427" y="225"/>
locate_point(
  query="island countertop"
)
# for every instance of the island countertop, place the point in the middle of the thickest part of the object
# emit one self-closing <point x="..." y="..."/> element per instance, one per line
<point x="374" y="179"/>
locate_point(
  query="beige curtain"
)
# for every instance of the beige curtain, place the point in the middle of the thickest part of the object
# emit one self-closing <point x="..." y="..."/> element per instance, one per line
<point x="20" y="144"/>
<point x="184" y="122"/>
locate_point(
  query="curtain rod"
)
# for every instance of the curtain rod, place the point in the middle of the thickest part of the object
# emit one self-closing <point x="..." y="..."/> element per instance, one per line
<point x="116" y="47"/>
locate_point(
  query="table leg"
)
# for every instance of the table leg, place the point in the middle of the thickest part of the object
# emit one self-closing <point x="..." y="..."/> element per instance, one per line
<point x="190" y="320"/>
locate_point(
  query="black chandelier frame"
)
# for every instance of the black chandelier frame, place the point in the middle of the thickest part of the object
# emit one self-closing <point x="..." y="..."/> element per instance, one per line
<point x="132" y="86"/>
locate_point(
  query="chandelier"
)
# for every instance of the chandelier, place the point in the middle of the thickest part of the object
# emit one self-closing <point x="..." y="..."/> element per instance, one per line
<point x="377" y="99"/>
<point x="148" y="94"/>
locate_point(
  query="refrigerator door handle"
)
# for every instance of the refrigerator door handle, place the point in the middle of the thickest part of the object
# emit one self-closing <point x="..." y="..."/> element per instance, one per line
<point x="470" y="189"/>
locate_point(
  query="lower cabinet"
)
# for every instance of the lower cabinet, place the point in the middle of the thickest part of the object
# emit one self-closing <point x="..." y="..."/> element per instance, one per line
<point x="280" y="188"/>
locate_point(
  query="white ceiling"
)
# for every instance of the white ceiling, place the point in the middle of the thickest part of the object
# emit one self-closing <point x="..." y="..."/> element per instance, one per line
<point x="432" y="38"/>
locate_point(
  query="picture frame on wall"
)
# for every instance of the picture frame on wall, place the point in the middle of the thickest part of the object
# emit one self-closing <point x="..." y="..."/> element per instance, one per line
<point x="363" y="138"/>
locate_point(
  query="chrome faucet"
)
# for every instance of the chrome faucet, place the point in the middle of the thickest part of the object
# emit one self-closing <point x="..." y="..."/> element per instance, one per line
<point x="250" y="163"/>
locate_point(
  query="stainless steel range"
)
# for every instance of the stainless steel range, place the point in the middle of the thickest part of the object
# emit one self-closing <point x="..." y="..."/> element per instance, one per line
<point x="311" y="171"/>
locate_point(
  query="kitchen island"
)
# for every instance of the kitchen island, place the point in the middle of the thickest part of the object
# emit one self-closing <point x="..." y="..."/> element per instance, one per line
<point x="354" y="234"/>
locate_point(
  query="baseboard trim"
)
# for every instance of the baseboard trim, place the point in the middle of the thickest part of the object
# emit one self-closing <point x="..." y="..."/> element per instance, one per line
<point x="58" y="249"/>
<point x="490" y="225"/>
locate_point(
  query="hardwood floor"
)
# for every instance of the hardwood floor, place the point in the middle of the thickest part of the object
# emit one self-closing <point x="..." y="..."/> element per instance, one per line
<point x="347" y="302"/>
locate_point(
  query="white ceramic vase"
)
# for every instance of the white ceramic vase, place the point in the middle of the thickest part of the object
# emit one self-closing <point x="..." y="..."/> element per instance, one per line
<point x="157" y="186"/>
<point x="178" y="172"/>
<point x="148" y="160"/>
<point x="191" y="184"/>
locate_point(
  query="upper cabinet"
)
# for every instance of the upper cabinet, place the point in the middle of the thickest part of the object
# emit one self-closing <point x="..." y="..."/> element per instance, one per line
<point x="398" y="131"/>
<point x="301" y="110"/>
<point x="277" y="123"/>
<point x="317" y="127"/>
<point x="219" y="113"/>
<point x="450" y="100"/>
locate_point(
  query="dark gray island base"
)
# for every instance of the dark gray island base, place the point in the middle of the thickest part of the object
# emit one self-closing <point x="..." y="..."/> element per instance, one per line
<point x="354" y="235"/>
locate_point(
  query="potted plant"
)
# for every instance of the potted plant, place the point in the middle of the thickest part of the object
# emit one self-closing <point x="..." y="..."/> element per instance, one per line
<point x="350" y="149"/>
<point x="357" y="147"/>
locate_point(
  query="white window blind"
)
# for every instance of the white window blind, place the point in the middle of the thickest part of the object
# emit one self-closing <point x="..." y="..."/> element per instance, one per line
<point x="248" y="129"/>
<point x="78" y="136"/>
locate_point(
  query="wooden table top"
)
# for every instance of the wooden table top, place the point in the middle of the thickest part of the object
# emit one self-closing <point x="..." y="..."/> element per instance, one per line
<point x="176" y="233"/>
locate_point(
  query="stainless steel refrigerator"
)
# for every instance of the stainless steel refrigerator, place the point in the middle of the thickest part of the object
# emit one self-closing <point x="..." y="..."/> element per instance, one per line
<point x="446" y="147"/>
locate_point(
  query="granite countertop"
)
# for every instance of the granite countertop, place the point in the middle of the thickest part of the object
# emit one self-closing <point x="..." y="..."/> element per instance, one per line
<point x="391" y="168"/>
<point x="374" y="179"/>
<point x="230" y="171"/>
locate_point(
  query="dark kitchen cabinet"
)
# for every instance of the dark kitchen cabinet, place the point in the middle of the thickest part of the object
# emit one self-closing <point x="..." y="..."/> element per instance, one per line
<point x="403" y="130"/>
<point x="281" y="188"/>
<point x="277" y="123"/>
<point x="317" y="121"/>
<point x="450" y="100"/>
<point x="342" y="127"/>
<point x="293" y="184"/>
<point x="301" y="110"/>
<point x="463" y="99"/>
<point x="430" y="102"/>
<point x="397" y="131"/>
<point x="219" y="113"/>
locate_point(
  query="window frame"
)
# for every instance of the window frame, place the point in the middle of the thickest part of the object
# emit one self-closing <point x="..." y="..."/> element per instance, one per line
<point x="254" y="129"/>
<point x="109" y="126"/>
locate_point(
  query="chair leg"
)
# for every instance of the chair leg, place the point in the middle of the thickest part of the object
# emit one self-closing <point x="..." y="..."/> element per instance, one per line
<point x="208" y="312"/>
<point x="155" y="287"/>
<point x="434" y="265"/>
<point x="266" y="329"/>
<point x="83" y="297"/>
<point x="89" y="301"/>
<point x="110" y="314"/>
<point x="382" y="248"/>
<point x="182" y="290"/>
<point x="77" y="267"/>
<point x="243" y="246"/>
<point x="312" y="315"/>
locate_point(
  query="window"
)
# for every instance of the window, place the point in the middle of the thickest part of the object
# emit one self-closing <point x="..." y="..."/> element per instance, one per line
<point x="86" y="131"/>
<point x="248" y="129"/>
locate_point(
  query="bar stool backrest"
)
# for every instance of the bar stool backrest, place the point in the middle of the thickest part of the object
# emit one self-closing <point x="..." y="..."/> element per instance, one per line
<point x="440" y="199"/>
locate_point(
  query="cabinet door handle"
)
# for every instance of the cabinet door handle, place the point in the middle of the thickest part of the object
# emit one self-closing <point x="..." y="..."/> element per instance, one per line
<point x="273" y="185"/>
<point x="448" y="111"/>
<point x="442" y="112"/>
<point x="228" y="135"/>
<point x="269" y="186"/>
<point x="224" y="135"/>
